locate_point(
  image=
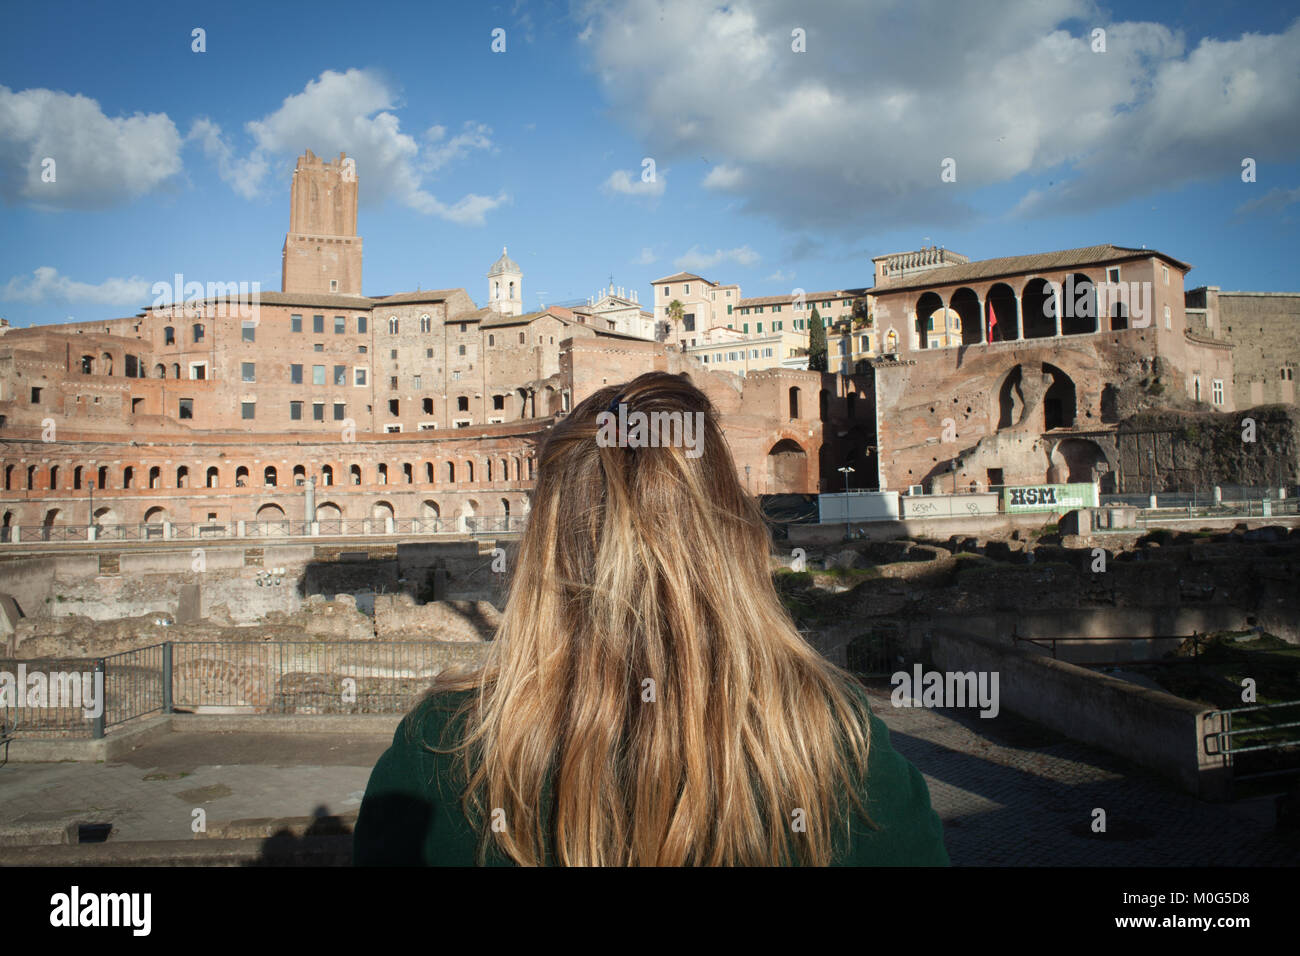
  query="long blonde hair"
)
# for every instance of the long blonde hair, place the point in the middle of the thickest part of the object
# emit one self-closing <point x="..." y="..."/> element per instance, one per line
<point x="645" y="675"/>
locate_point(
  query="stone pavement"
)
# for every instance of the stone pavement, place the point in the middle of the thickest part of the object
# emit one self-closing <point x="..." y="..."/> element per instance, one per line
<point x="1008" y="792"/>
<point x="151" y="793"/>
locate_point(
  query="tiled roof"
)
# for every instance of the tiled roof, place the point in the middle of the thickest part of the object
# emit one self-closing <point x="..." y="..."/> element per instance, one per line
<point x="681" y="277"/>
<point x="1014" y="265"/>
<point x="813" y="297"/>
<point x="430" y="295"/>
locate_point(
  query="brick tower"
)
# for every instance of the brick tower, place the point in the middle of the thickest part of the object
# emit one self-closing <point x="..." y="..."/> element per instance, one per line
<point x="322" y="252"/>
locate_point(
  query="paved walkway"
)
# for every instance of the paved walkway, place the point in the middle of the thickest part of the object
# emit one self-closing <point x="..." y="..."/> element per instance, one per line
<point x="1009" y="793"/>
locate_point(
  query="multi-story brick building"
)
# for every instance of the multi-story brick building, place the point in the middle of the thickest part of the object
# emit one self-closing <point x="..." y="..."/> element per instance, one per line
<point x="1264" y="331"/>
<point x="1031" y="381"/>
<point x="317" y="403"/>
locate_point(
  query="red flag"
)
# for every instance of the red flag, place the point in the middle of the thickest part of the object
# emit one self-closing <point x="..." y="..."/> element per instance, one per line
<point x="993" y="320"/>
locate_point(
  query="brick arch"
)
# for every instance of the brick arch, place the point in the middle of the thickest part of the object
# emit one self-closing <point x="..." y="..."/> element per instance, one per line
<point x="232" y="684"/>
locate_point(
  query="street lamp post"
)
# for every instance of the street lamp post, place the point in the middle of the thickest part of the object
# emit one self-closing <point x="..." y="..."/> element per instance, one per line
<point x="846" y="470"/>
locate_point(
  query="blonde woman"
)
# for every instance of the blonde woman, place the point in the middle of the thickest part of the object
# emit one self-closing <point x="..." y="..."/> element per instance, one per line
<point x="647" y="700"/>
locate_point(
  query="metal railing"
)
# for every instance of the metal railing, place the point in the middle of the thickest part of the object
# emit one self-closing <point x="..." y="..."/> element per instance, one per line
<point x="1276" y="736"/>
<point x="1050" y="643"/>
<point x="258" y="677"/>
<point x="281" y="528"/>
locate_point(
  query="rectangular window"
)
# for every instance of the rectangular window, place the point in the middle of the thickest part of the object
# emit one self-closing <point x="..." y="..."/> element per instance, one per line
<point x="1112" y="275"/>
<point x="427" y="406"/>
<point x="361" y="324"/>
<point x="358" y="376"/>
<point x="248" y="410"/>
<point x="460" y="350"/>
<point x="295" y="374"/>
<point x="186" y="409"/>
<point x="295" y="411"/>
<point x="340" y="324"/>
<point x="393" y="406"/>
<point x="318" y="411"/>
<point x="1216" y="390"/>
<point x="361" y="350"/>
<point x="318" y="324"/>
<point x="248" y="371"/>
<point x="249" y="331"/>
<point x="340" y="411"/>
<point x="392" y="382"/>
<point x="729" y="306"/>
<point x="746" y="328"/>
<point x="295" y="323"/>
<point x="318" y="374"/>
<point x="428" y="353"/>
<point x="760" y="327"/>
<point x="169" y="336"/>
<point x="340" y="374"/>
<point x="417" y="381"/>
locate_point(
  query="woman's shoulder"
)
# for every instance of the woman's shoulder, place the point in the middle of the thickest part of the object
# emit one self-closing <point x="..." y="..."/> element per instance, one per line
<point x="436" y="715"/>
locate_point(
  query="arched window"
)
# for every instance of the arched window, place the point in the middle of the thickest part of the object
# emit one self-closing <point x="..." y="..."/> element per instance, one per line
<point x="213" y="476"/>
<point x="270" y="476"/>
<point x="392" y="325"/>
<point x="425" y="323"/>
<point x="241" y="477"/>
<point x="155" y="477"/>
<point x="327" y="475"/>
<point x="355" y="473"/>
<point x="182" y="477"/>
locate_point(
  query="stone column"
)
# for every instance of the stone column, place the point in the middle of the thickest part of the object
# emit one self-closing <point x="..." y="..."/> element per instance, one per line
<point x="1020" y="322"/>
<point x="311" y="500"/>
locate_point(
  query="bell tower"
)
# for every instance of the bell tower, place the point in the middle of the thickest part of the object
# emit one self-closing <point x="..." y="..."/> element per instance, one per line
<point x="506" y="286"/>
<point x="322" y="251"/>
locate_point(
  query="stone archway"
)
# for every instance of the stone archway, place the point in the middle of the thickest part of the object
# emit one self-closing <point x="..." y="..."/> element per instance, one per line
<point x="1082" y="460"/>
<point x="787" y="468"/>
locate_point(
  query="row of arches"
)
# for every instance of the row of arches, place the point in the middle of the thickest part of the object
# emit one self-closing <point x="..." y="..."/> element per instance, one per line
<point x="326" y="511"/>
<point x="1003" y="316"/>
<point x="448" y="471"/>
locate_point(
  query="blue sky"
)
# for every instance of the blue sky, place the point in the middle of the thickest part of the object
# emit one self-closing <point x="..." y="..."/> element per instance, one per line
<point x="775" y="169"/>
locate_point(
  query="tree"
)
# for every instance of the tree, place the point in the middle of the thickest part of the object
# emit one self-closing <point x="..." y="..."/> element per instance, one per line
<point x="676" y="311"/>
<point x="816" y="343"/>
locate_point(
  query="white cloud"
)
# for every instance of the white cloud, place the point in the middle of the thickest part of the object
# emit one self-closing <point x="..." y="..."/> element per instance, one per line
<point x="723" y="177"/>
<point x="352" y="113"/>
<point x="620" y="181"/>
<point x="856" y="128"/>
<point x="473" y="136"/>
<point x="46" y="285"/>
<point x="696" y="261"/>
<point x="99" y="161"/>
<point x="1275" y="200"/>
<point x="245" y="175"/>
<point x="780" y="276"/>
<point x="646" y="257"/>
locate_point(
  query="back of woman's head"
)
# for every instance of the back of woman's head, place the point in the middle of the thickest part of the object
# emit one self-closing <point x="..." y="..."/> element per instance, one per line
<point x="649" y="700"/>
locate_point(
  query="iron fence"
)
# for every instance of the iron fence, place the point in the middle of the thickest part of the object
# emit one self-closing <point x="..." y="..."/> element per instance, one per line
<point x="257" y="677"/>
<point x="1230" y="742"/>
<point x="330" y="527"/>
<point x="42" y="697"/>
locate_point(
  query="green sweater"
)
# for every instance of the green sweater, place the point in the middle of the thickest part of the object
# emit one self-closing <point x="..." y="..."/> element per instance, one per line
<point x="412" y="813"/>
